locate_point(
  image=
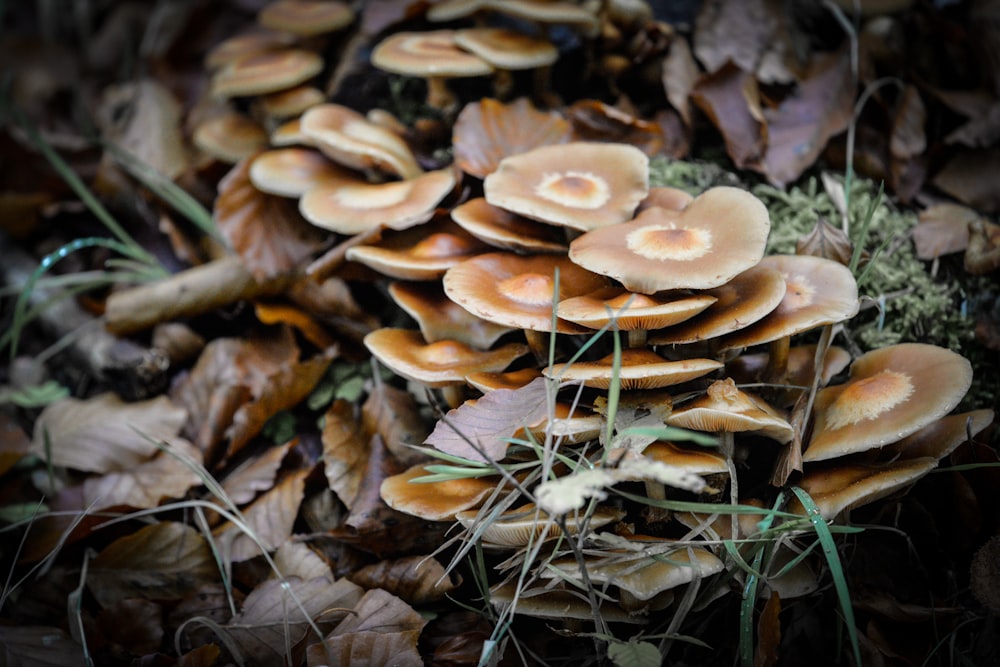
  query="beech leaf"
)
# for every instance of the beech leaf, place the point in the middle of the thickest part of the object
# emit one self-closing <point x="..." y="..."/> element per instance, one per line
<point x="147" y="484"/>
<point x="270" y="518"/>
<point x="495" y="416"/>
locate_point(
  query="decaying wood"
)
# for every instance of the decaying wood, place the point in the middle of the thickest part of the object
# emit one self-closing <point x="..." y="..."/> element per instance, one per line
<point x="135" y="372"/>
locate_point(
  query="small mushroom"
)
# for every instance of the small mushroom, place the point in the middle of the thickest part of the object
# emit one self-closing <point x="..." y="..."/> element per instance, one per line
<point x="506" y="230"/>
<point x="509" y="50"/>
<point x="418" y="253"/>
<point x="292" y="102"/>
<point x="230" y="137"/>
<point x="440" y="318"/>
<point x="434" y="501"/>
<point x="292" y="171"/>
<point x="266" y="72"/>
<point x="639" y="369"/>
<point x="305" y="18"/>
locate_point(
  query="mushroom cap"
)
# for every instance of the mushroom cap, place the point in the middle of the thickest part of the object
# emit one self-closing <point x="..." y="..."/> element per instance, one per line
<point x="487" y="131"/>
<point x="580" y="185"/>
<point x="305" y="17"/>
<point x="289" y="133"/>
<point x="838" y="487"/>
<point x="663" y="196"/>
<point x="570" y="425"/>
<point x="352" y="140"/>
<point x="558" y="603"/>
<point x="941" y="438"/>
<point x="892" y="392"/>
<point x="523" y="525"/>
<point x="291" y="102"/>
<point x="549" y="11"/>
<point x="818" y="291"/>
<point x="740" y="302"/>
<point x="431" y="53"/>
<point x="517" y="291"/>
<point x="726" y="408"/>
<point x="695" y="460"/>
<point x="632" y="311"/>
<point x="438" y="364"/>
<point x="506" y="230"/>
<point x="486" y="382"/>
<point x="507" y="49"/>
<point x="246" y="44"/>
<point x="230" y="137"/>
<point x="354" y="206"/>
<point x="440" y="318"/>
<point x="640" y="369"/>
<point x="292" y="171"/>
<point x="449" y="10"/>
<point x="419" y="253"/>
<point x="718" y="235"/>
<point x="265" y="72"/>
<point x="750" y="368"/>
<point x="434" y="501"/>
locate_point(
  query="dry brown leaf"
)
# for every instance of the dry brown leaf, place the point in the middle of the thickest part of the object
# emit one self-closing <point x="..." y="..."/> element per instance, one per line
<point x="800" y="126"/>
<point x="271" y="618"/>
<point x="146" y="484"/>
<point x="267" y="231"/>
<point x="487" y="131"/>
<point x="284" y="390"/>
<point x="731" y="100"/>
<point x="255" y="475"/>
<point x="394" y="414"/>
<point x="497" y="415"/>
<point x="282" y="313"/>
<point x="14" y="442"/>
<point x="594" y="120"/>
<point x="162" y="561"/>
<point x="38" y="646"/>
<point x="680" y="73"/>
<point x="134" y="624"/>
<point x="942" y="229"/>
<point x="383" y="630"/>
<point x="345" y="451"/>
<point x="826" y="241"/>
<point x="203" y="656"/>
<point x="970" y="177"/>
<point x="980" y="131"/>
<point x="414" y="579"/>
<point x="737" y="31"/>
<point x="768" y="633"/>
<point x="211" y="602"/>
<point x="982" y="256"/>
<point x="104" y="434"/>
<point x="296" y="559"/>
<point x="908" y="138"/>
<point x="270" y="518"/>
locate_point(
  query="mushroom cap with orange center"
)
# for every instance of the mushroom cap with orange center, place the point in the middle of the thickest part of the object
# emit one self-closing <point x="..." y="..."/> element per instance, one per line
<point x="639" y="369"/>
<point x="517" y="291"/>
<point x="581" y="185"/>
<point x="305" y="17"/>
<point x="818" y="291"/>
<point x="418" y="253"/>
<point x="726" y="408"/>
<point x="265" y="72"/>
<point x="632" y="311"/>
<point x="718" y="235"/>
<point x="434" y="501"/>
<point x="438" y="364"/>
<point x="892" y="392"/>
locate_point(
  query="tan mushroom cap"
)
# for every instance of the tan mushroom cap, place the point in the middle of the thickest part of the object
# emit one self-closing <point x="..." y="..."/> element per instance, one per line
<point x="418" y="253"/>
<point x="549" y="11"/>
<point x="291" y="172"/>
<point x="486" y="382"/>
<point x="438" y="364"/>
<point x="449" y="10"/>
<point x="246" y="44"/>
<point x="440" y="318"/>
<point x="430" y="53"/>
<point x="230" y="137"/>
<point x="695" y="460"/>
<point x="748" y="368"/>
<point x="892" y="392"/>
<point x="663" y="196"/>
<point x="355" y="206"/>
<point x="558" y="603"/>
<point x="640" y="369"/>
<point x="353" y="141"/>
<point x="507" y="49"/>
<point x="838" y="487"/>
<point x="434" y="501"/>
<point x="739" y="303"/>
<point x="942" y="437"/>
<point x="580" y="185"/>
<point x="266" y="72"/>
<point x="818" y="291"/>
<point x="569" y="425"/>
<point x="523" y="525"/>
<point x="517" y="291"/>
<point x="488" y="131"/>
<point x="506" y="230"/>
<point x="291" y="102"/>
<point x="717" y="236"/>
<point x="726" y="408"/>
<point x="630" y="310"/>
<point x="289" y="133"/>
<point x="305" y="17"/>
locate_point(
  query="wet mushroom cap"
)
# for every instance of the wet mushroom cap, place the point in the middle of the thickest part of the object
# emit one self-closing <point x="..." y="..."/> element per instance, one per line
<point x="266" y="72"/>
<point x="230" y="137"/>
<point x="506" y="230"/>
<point x="892" y="392"/>
<point x="437" y="364"/>
<point x="291" y="102"/>
<point x="580" y="185"/>
<point x="673" y="199"/>
<point x="292" y="171"/>
<point x="718" y="235"/>
<point x="818" y="291"/>
<point x="639" y="369"/>
<point x="427" y="54"/>
<point x="507" y="49"/>
<point x="942" y="437"/>
<point x="434" y="501"/>
<point x="355" y="206"/>
<point x="632" y="311"/>
<point x="726" y="408"/>
<point x="695" y="460"/>
<point x="352" y="140"/>
<point x="419" y="253"/>
<point x="305" y="17"/>
<point x="521" y="526"/>
<point x="518" y="291"/>
<point x="440" y="318"/>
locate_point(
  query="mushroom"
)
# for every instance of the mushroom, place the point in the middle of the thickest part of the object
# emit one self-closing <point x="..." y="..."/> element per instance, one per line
<point x="265" y="72"/>
<point x="442" y="364"/>
<point x="718" y="235"/>
<point x="557" y="603"/>
<point x="247" y="44"/>
<point x="892" y="392"/>
<point x="420" y="253"/>
<point x="230" y="137"/>
<point x="434" y="501"/>
<point x="291" y="172"/>
<point x="509" y="50"/>
<point x="750" y="368"/>
<point x="639" y="369"/>
<point x="673" y="199"/>
<point x="291" y="102"/>
<point x="305" y="18"/>
<point x="940" y="438"/>
<point x="506" y="230"/>
<point x="440" y="318"/>
<point x="578" y="185"/>
<point x="485" y="382"/>
<point x="432" y="55"/>
<point x="521" y="526"/>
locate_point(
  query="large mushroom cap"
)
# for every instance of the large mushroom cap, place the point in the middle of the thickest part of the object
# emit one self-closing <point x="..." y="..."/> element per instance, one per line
<point x="434" y="501"/>
<point x="419" y="253"/>
<point x="726" y="408"/>
<point x="507" y="49"/>
<point x="440" y="318"/>
<point x="630" y="310"/>
<point x="639" y="369"/>
<point x="517" y="291"/>
<point x="506" y="230"/>
<point x="892" y="392"/>
<point x="580" y="185"/>
<point x="292" y="171"/>
<point x="718" y="235"/>
<point x="230" y="137"/>
<point x="430" y="53"/>
<point x="266" y="72"/>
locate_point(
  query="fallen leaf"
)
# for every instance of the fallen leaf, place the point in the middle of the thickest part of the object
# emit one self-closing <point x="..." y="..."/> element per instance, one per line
<point x="211" y="602"/>
<point x="730" y="99"/>
<point x="593" y="120"/>
<point x="135" y="624"/>
<point x="146" y="484"/>
<point x="497" y="415"/>
<point x="162" y="561"/>
<point x="768" y="633"/>
<point x="942" y="229"/>
<point x="981" y="131"/>
<point x="394" y="414"/>
<point x="270" y="519"/>
<point x="345" y="451"/>
<point x="414" y="579"/>
<point x="104" y="434"/>
<point x="826" y="241"/>
<point x="267" y="231"/>
<point x="14" y="442"/>
<point x="38" y="646"/>
<point x="969" y="177"/>
<point x="908" y="138"/>
<point x="383" y="630"/>
<point x="680" y="73"/>
<point x="296" y="559"/>
<point x="736" y="31"/>
<point x="255" y="475"/>
<point x="281" y="313"/>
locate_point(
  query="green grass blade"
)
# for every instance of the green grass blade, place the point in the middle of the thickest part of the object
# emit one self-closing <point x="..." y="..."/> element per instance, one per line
<point x="746" y="611"/>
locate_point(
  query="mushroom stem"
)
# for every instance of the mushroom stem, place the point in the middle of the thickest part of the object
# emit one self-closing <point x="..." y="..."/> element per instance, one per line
<point x="439" y="96"/>
<point x="538" y="341"/>
<point x="727" y="446"/>
<point x="454" y="394"/>
<point x="637" y="338"/>
<point x="777" y="361"/>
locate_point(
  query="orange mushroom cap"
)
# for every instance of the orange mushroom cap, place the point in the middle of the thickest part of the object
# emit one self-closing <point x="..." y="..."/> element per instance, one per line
<point x="639" y="369"/>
